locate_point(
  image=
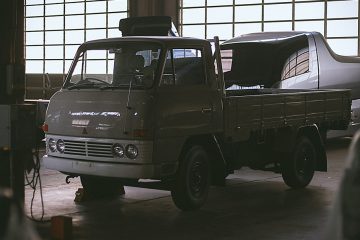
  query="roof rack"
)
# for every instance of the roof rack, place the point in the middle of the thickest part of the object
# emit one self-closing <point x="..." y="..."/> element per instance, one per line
<point x="148" y="26"/>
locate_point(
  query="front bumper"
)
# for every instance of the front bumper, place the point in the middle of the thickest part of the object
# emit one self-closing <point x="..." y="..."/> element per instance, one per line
<point x="105" y="169"/>
<point x="100" y="150"/>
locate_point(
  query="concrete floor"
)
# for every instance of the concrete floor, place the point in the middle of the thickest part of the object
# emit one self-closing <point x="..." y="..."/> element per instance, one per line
<point x="253" y="205"/>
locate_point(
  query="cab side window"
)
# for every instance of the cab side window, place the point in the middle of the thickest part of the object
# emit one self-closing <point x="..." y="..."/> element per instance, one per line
<point x="184" y="67"/>
<point x="296" y="64"/>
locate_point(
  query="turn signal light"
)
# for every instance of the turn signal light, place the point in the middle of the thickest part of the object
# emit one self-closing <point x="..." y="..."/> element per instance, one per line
<point x="139" y="133"/>
<point x="45" y="127"/>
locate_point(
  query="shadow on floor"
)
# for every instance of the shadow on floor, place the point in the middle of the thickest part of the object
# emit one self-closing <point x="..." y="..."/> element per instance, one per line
<point x="258" y="210"/>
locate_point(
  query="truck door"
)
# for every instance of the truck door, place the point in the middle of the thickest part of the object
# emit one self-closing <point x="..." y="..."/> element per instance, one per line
<point x="185" y="99"/>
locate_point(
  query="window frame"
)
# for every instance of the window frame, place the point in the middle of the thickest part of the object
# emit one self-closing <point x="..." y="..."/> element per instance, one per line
<point x="204" y="66"/>
<point x="65" y="31"/>
<point x="295" y="67"/>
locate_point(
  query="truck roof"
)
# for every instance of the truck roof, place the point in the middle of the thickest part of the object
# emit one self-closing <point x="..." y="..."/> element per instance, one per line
<point x="267" y="36"/>
<point x="158" y="39"/>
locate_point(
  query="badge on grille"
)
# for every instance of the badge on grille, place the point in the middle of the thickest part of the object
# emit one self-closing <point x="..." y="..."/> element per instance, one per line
<point x="84" y="131"/>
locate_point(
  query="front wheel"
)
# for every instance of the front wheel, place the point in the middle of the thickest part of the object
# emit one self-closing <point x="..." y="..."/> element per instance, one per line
<point x="298" y="169"/>
<point x="192" y="182"/>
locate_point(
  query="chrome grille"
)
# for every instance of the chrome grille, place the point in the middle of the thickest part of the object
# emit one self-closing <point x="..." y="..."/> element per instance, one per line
<point x="75" y="148"/>
<point x="99" y="149"/>
<point x="91" y="149"/>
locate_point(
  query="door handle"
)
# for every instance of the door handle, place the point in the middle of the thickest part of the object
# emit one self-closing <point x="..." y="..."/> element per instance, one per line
<point x="206" y="110"/>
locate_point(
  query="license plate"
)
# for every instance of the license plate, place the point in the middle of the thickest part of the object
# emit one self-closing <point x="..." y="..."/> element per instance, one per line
<point x="84" y="166"/>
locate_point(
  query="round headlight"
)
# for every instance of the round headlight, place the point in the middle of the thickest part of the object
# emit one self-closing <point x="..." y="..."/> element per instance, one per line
<point x="52" y="144"/>
<point x="118" y="150"/>
<point x="60" y="146"/>
<point x="131" y="151"/>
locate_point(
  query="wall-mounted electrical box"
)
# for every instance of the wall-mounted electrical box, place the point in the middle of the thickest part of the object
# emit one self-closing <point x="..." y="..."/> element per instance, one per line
<point x="17" y="126"/>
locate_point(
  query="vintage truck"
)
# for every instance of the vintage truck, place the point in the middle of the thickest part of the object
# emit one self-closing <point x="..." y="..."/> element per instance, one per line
<point x="155" y="107"/>
<point x="292" y="60"/>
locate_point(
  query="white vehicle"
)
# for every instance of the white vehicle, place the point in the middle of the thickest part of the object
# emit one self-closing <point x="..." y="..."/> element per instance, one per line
<point x="295" y="60"/>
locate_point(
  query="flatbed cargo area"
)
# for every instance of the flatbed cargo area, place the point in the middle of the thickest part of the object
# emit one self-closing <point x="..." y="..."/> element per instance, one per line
<point x="250" y="110"/>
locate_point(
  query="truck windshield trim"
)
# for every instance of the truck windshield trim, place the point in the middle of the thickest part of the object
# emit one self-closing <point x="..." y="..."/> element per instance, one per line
<point x="113" y="67"/>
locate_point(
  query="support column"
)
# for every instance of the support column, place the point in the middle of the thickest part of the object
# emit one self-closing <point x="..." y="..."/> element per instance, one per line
<point x="141" y="8"/>
<point x="12" y="89"/>
<point x="12" y="63"/>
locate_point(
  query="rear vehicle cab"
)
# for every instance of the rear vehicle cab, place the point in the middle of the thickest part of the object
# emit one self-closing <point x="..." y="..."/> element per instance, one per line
<point x="291" y="60"/>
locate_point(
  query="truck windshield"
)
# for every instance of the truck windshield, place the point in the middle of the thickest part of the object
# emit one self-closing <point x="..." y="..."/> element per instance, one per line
<point x="115" y="67"/>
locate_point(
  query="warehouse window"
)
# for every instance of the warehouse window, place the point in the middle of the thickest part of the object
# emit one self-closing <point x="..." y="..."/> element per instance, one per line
<point x="337" y="20"/>
<point x="226" y="59"/>
<point x="55" y="28"/>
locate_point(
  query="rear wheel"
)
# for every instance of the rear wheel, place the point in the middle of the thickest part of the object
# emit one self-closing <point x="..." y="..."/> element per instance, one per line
<point x="101" y="186"/>
<point x="298" y="169"/>
<point x="192" y="182"/>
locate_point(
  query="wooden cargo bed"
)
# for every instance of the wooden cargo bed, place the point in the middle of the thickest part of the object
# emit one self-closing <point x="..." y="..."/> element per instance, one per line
<point x="260" y="109"/>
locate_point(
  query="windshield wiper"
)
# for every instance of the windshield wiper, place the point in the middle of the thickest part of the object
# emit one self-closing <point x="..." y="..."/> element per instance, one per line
<point x="123" y="85"/>
<point x="82" y="85"/>
<point x="88" y="79"/>
<point x="114" y="86"/>
<point x="88" y="82"/>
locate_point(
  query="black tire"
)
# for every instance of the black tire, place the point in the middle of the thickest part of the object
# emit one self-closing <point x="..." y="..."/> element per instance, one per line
<point x="298" y="169"/>
<point x="192" y="181"/>
<point x="101" y="186"/>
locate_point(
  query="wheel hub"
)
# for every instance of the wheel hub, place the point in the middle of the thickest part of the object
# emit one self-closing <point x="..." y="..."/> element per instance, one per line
<point x="303" y="162"/>
<point x="196" y="179"/>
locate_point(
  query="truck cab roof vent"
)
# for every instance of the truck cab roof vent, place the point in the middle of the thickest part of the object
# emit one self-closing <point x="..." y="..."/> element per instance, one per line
<point x="148" y="26"/>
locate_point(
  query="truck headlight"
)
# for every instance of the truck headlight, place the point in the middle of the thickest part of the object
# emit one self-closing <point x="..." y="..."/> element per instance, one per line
<point x="52" y="144"/>
<point x="60" y="146"/>
<point x="131" y="151"/>
<point x="118" y="150"/>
